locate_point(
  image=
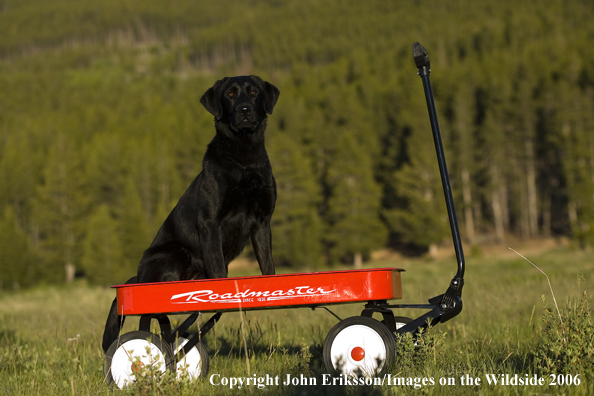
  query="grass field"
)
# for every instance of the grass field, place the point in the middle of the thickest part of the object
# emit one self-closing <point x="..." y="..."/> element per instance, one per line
<point x="50" y="337"/>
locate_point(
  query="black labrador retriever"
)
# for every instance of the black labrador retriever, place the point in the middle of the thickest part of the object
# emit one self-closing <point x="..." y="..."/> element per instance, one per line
<point x="229" y="202"/>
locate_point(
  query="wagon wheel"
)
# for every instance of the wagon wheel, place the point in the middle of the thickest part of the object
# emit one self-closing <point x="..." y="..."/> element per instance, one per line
<point x="359" y="346"/>
<point x="133" y="352"/>
<point x="195" y="363"/>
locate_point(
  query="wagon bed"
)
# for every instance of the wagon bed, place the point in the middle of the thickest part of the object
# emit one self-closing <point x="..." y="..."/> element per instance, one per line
<point x="260" y="292"/>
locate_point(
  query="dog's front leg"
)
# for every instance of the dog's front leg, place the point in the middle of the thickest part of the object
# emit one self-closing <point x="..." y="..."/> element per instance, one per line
<point x="212" y="250"/>
<point x="262" y="243"/>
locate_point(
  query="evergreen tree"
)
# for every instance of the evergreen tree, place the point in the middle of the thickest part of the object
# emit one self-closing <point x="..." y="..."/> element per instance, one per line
<point x="496" y="147"/>
<point x="296" y="225"/>
<point x="105" y="169"/>
<point x="354" y="227"/>
<point x="423" y="218"/>
<point x="61" y="204"/>
<point x="133" y="230"/>
<point x="578" y="163"/>
<point x="17" y="179"/>
<point x="17" y="258"/>
<point x="102" y="251"/>
<point x="463" y="131"/>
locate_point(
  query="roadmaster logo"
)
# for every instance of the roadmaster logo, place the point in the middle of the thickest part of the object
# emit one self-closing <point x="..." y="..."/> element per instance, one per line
<point x="208" y="296"/>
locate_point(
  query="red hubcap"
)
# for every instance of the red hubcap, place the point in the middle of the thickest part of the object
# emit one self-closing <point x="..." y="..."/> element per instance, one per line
<point x="358" y="354"/>
<point x="136" y="366"/>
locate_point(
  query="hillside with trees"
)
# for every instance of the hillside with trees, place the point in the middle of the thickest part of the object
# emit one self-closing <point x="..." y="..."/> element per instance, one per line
<point x="101" y="129"/>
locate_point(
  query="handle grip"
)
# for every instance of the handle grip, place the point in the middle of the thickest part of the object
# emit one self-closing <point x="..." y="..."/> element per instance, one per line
<point x="421" y="57"/>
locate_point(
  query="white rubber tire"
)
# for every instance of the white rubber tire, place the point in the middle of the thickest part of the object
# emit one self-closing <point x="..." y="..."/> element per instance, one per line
<point x="359" y="346"/>
<point x="132" y="351"/>
<point x="194" y="364"/>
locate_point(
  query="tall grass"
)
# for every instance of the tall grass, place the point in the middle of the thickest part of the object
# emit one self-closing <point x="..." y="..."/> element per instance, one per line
<point x="50" y="337"/>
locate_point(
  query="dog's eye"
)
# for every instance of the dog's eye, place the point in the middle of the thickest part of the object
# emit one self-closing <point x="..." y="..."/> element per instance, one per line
<point x="230" y="94"/>
<point x="253" y="92"/>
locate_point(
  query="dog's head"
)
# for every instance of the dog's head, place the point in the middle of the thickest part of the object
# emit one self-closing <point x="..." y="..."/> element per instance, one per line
<point x="240" y="102"/>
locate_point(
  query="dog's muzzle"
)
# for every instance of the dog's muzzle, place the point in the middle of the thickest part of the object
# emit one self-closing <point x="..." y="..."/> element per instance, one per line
<point x="244" y="116"/>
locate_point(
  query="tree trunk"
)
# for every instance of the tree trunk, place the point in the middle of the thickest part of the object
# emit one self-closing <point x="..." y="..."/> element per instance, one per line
<point x="523" y="208"/>
<point x="531" y="189"/>
<point x="573" y="218"/>
<point x="592" y="165"/>
<point x="546" y="214"/>
<point x="358" y="260"/>
<point x="70" y="270"/>
<point x="467" y="196"/>
<point x="497" y="204"/>
<point x="433" y="250"/>
<point x="503" y="199"/>
<point x="498" y="216"/>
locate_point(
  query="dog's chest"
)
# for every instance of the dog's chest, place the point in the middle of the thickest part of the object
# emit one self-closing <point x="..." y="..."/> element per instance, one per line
<point x="252" y="194"/>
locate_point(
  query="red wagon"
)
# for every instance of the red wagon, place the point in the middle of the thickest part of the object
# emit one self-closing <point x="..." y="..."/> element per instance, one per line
<point x="175" y="347"/>
<point x="359" y="345"/>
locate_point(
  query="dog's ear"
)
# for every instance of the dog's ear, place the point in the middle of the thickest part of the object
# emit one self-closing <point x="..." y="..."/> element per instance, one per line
<point x="211" y="100"/>
<point x="271" y="94"/>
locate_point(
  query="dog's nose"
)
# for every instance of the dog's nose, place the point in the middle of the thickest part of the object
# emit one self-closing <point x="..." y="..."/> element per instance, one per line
<point x="244" y="110"/>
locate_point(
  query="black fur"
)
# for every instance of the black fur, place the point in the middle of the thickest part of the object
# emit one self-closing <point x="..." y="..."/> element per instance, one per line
<point x="229" y="202"/>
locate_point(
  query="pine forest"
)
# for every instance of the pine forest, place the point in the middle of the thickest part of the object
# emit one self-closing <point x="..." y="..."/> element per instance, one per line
<point x="101" y="128"/>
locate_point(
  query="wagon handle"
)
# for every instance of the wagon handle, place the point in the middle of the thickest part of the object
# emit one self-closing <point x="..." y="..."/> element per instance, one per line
<point x="451" y="303"/>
